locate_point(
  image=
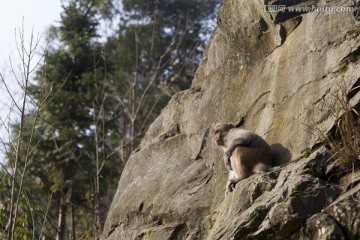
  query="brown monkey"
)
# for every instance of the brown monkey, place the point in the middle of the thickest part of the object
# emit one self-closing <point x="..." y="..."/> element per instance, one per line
<point x="245" y="153"/>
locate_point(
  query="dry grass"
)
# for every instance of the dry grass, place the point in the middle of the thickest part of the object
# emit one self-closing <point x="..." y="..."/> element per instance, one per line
<point x="344" y="139"/>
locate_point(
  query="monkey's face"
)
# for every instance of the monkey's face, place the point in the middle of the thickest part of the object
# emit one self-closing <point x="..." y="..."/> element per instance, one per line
<point x="220" y="131"/>
<point x="218" y="138"/>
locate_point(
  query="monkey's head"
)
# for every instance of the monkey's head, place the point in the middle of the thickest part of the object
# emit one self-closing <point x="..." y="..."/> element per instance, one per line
<point x="220" y="131"/>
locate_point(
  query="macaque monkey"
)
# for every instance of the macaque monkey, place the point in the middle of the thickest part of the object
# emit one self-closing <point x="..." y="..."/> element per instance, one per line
<point x="245" y="153"/>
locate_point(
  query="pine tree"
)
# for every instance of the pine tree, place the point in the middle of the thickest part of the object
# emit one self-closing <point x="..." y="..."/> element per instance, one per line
<point x="101" y="97"/>
<point x="72" y="133"/>
<point x="155" y="54"/>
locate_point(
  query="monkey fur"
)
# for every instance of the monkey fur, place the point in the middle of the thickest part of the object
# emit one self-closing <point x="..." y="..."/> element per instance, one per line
<point x="245" y="153"/>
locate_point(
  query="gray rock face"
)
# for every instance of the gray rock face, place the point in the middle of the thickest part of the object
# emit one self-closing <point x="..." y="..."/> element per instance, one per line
<point x="280" y="72"/>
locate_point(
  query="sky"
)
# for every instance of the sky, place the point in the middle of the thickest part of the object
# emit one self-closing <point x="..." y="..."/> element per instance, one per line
<point x="34" y="15"/>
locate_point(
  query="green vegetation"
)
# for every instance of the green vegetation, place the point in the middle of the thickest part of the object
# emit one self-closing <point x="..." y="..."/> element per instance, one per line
<point x="344" y="69"/>
<point x="306" y="155"/>
<point x="88" y="106"/>
<point x="355" y="56"/>
<point x="295" y="192"/>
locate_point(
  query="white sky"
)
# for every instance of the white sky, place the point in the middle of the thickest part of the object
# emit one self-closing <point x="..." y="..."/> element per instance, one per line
<point x="36" y="16"/>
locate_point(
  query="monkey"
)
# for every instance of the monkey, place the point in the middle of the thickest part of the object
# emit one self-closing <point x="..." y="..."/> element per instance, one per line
<point x="245" y="153"/>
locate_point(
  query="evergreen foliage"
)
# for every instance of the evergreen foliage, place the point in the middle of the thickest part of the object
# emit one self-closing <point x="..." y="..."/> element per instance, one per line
<point x="101" y="97"/>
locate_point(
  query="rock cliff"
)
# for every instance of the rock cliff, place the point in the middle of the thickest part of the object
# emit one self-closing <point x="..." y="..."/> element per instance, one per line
<point x="278" y="71"/>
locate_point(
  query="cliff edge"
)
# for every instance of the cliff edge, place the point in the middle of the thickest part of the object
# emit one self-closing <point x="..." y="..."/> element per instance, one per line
<point x="277" y="67"/>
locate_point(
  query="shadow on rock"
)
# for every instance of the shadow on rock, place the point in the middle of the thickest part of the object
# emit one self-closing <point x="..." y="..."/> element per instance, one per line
<point x="281" y="154"/>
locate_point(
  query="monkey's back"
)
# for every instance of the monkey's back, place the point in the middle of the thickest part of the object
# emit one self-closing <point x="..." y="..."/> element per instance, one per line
<point x="261" y="148"/>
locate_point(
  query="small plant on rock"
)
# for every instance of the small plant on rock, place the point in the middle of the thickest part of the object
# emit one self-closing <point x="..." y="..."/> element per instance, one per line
<point x="344" y="139"/>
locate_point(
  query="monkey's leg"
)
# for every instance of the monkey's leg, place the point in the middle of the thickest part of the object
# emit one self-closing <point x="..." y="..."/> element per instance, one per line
<point x="229" y="188"/>
<point x="229" y="185"/>
<point x="232" y="182"/>
<point x="227" y="162"/>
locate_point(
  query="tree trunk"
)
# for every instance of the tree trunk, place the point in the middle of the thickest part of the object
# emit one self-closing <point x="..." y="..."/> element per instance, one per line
<point x="61" y="218"/>
<point x="97" y="230"/>
<point x="72" y="224"/>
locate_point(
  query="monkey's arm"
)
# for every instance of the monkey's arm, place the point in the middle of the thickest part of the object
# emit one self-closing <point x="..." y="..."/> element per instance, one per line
<point x="244" y="141"/>
<point x="227" y="162"/>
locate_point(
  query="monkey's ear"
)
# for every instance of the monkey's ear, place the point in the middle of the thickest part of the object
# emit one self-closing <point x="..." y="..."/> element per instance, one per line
<point x="215" y="125"/>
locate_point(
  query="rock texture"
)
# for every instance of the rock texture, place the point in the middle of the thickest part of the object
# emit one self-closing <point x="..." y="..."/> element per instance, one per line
<point x="278" y="72"/>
